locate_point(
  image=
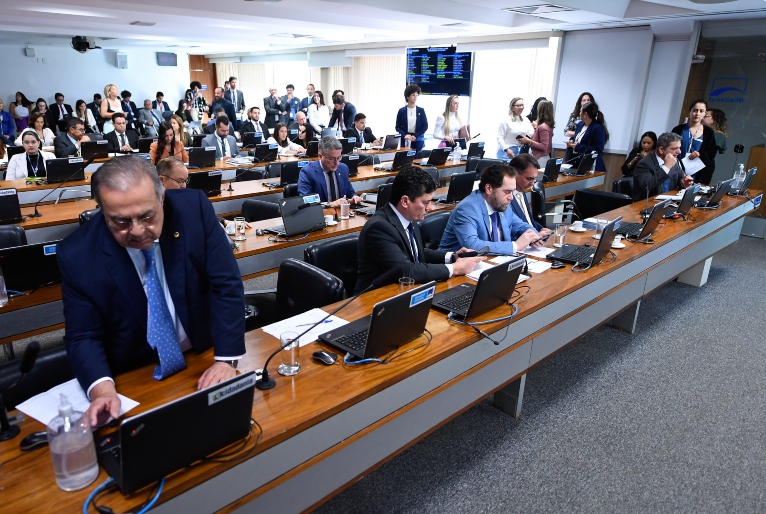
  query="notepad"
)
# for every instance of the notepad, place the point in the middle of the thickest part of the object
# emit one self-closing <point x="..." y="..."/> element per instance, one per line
<point x="303" y="321"/>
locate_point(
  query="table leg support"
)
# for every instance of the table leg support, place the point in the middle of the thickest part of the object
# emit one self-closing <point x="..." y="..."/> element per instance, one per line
<point x="509" y="399"/>
<point x="696" y="275"/>
<point x="626" y="320"/>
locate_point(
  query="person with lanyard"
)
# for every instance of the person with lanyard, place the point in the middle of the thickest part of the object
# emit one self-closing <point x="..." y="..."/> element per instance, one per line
<point x="224" y="143"/>
<point x="698" y="141"/>
<point x="31" y="163"/>
<point x="327" y="176"/>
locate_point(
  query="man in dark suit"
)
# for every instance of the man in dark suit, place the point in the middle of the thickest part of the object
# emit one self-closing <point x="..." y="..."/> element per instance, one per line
<point x="343" y="113"/>
<point x="254" y="123"/>
<point x="274" y="107"/>
<point x="140" y="301"/>
<point x="59" y="113"/>
<point x="660" y="171"/>
<point x="160" y="104"/>
<point x="129" y="108"/>
<point x="95" y="108"/>
<point x="220" y="102"/>
<point x="294" y="129"/>
<point x="237" y="99"/>
<point x="361" y="131"/>
<point x="69" y="143"/>
<point x="527" y="170"/>
<point x="121" y="139"/>
<point x="310" y="90"/>
<point x="327" y="176"/>
<point x="225" y="144"/>
<point x="391" y="237"/>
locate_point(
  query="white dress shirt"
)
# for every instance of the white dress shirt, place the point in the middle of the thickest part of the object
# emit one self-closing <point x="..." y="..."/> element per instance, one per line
<point x="509" y="129"/>
<point x="405" y="224"/>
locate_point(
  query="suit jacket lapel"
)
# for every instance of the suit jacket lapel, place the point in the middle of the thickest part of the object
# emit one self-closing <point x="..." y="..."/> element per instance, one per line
<point x="120" y="266"/>
<point x="321" y="180"/>
<point x="505" y="228"/>
<point x="172" y="244"/>
<point x="394" y="220"/>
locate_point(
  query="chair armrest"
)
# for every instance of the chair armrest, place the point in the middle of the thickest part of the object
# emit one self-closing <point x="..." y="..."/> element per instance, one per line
<point x="260" y="291"/>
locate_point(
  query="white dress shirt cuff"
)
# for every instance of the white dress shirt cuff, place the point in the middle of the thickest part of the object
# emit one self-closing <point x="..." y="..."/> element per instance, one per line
<point x="94" y="384"/>
<point x="448" y="257"/>
<point x="665" y="169"/>
<point x="451" y="269"/>
<point x="235" y="358"/>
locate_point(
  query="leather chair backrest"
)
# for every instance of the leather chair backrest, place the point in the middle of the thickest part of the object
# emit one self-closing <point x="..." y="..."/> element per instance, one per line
<point x="337" y="256"/>
<point x="484" y="164"/>
<point x="424" y="154"/>
<point x="258" y="210"/>
<point x="623" y="185"/>
<point x="302" y="287"/>
<point x="472" y="163"/>
<point x="537" y="203"/>
<point x="434" y="172"/>
<point x="12" y="235"/>
<point x="592" y="202"/>
<point x="87" y="215"/>
<point x="290" y="190"/>
<point x="273" y="169"/>
<point x="432" y="228"/>
<point x="245" y="174"/>
<point x="366" y="159"/>
<point x="51" y="369"/>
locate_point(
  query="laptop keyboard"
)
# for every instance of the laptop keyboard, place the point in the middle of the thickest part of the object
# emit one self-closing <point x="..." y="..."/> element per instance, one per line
<point x="458" y="303"/>
<point x="630" y="229"/>
<point x="581" y="254"/>
<point x="356" y="341"/>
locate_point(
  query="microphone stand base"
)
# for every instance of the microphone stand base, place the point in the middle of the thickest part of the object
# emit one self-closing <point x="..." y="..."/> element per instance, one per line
<point x="35" y="215"/>
<point x="12" y="432"/>
<point x="265" y="384"/>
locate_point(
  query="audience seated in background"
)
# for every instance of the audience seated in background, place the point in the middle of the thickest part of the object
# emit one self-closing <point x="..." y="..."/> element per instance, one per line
<point x="254" y="123"/>
<point x="361" y="131"/>
<point x="224" y="143"/>
<point x="129" y="108"/>
<point x="292" y="129"/>
<point x="38" y="124"/>
<point x="59" y="113"/>
<point x="645" y="147"/>
<point x="95" y="109"/>
<point x="69" y="143"/>
<point x="160" y="104"/>
<point x="167" y="145"/>
<point x="86" y="116"/>
<point x="150" y="118"/>
<point x="286" y="147"/>
<point x="7" y="127"/>
<point x="121" y="139"/>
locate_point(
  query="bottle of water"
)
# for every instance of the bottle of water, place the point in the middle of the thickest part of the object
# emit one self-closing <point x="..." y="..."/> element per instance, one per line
<point x="3" y="292"/>
<point x="739" y="177"/>
<point x="457" y="154"/>
<point x="72" y="448"/>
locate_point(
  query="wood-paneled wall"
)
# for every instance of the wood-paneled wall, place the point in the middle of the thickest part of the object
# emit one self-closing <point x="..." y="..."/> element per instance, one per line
<point x="201" y="69"/>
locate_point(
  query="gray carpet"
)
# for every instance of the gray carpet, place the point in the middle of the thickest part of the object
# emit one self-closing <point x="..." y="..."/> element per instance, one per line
<point x="667" y="420"/>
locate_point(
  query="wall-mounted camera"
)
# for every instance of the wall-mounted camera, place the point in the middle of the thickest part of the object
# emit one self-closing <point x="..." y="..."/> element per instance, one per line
<point x="82" y="44"/>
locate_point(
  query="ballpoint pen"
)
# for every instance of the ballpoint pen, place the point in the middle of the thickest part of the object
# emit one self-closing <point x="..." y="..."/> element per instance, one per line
<point x="316" y="323"/>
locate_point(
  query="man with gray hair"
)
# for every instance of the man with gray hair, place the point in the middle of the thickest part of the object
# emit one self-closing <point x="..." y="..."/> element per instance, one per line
<point x="660" y="171"/>
<point x="327" y="176"/>
<point x="160" y="280"/>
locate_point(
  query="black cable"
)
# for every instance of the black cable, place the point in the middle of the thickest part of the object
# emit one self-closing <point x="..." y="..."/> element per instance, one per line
<point x="393" y="355"/>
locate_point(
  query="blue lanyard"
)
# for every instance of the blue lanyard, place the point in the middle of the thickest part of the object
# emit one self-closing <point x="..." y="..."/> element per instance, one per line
<point x="37" y="161"/>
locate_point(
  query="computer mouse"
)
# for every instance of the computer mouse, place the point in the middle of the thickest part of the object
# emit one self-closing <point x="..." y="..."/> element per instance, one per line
<point x="557" y="264"/>
<point x="259" y="232"/>
<point x="34" y="441"/>
<point x="324" y="357"/>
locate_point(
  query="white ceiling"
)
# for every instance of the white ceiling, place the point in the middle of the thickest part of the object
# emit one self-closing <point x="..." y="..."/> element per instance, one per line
<point x="240" y="27"/>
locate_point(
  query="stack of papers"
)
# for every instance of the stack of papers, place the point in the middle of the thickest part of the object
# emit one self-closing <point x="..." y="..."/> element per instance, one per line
<point x="540" y="253"/>
<point x="303" y="321"/>
<point x="491" y="263"/>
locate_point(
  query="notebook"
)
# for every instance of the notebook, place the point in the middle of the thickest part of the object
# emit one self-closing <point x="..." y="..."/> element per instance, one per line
<point x="714" y="200"/>
<point x="300" y="215"/>
<point x="642" y="231"/>
<point x="391" y="142"/>
<point x="438" y="156"/>
<point x="586" y="163"/>
<point x="251" y="139"/>
<point x="475" y="149"/>
<point x="288" y="174"/>
<point x="202" y="157"/>
<point x="145" y="143"/>
<point x="66" y="168"/>
<point x="552" y="168"/>
<point x="265" y="152"/>
<point x="393" y="322"/>
<point x="352" y="162"/>
<point x="95" y="149"/>
<point x="349" y="143"/>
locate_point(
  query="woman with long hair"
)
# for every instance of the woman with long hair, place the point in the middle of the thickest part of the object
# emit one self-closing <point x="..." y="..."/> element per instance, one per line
<point x="286" y="147"/>
<point x="86" y="115"/>
<point x="31" y="162"/>
<point x="511" y="129"/>
<point x="319" y="114"/>
<point x="532" y="116"/>
<point x="574" y="118"/>
<point x="178" y="128"/>
<point x="167" y="145"/>
<point x="110" y="105"/>
<point x="716" y="119"/>
<point x="306" y="134"/>
<point x="646" y="146"/>
<point x="698" y="141"/>
<point x="448" y="124"/>
<point x="38" y="123"/>
<point x="541" y="142"/>
<point x="590" y="135"/>
<point x="41" y="106"/>
<point x="19" y="109"/>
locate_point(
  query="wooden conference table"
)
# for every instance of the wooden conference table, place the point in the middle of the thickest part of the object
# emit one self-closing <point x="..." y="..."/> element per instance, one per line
<point x="326" y="426"/>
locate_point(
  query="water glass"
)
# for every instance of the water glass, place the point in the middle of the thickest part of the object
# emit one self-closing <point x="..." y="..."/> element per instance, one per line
<point x="601" y="225"/>
<point x="345" y="209"/>
<point x="560" y="234"/>
<point x="290" y="353"/>
<point x="405" y="284"/>
<point x="239" y="222"/>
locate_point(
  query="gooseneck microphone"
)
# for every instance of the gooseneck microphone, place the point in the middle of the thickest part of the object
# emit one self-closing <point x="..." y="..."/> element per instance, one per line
<point x="27" y="363"/>
<point x="81" y="168"/>
<point x="266" y="382"/>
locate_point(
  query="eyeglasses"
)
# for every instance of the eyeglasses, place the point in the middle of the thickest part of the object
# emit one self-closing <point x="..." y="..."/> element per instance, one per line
<point x="331" y="159"/>
<point x="178" y="181"/>
<point x="519" y="105"/>
<point x="123" y="225"/>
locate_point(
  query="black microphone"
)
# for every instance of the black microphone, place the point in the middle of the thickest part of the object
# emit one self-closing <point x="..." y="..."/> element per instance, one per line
<point x="474" y="137"/>
<point x="81" y="168"/>
<point x="594" y="154"/>
<point x="266" y="382"/>
<point x="27" y="363"/>
<point x="236" y="176"/>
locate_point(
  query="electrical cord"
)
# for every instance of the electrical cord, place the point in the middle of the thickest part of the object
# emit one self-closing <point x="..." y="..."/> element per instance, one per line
<point x="472" y="324"/>
<point x="391" y="356"/>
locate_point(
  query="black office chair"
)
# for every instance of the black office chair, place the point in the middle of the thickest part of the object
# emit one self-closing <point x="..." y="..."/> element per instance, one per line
<point x="366" y="159"/>
<point x="337" y="256"/>
<point x="539" y="206"/>
<point x="434" y="172"/>
<point x="623" y="185"/>
<point x="51" y="369"/>
<point x="273" y="169"/>
<point x="432" y="228"/>
<point x="12" y="235"/>
<point x="486" y="163"/>
<point x="290" y="190"/>
<point x="471" y="163"/>
<point x="258" y="210"/>
<point x="245" y="174"/>
<point x="424" y="154"/>
<point x="300" y="288"/>
<point x="591" y="202"/>
<point x="87" y="215"/>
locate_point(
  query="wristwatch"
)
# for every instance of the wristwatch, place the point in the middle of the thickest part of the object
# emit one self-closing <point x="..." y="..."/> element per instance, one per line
<point x="232" y="363"/>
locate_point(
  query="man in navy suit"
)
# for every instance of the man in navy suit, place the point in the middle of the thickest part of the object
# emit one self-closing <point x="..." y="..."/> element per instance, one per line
<point x="160" y="280"/>
<point x="327" y="176"/>
<point x="59" y="113"/>
<point x="222" y="103"/>
<point x="310" y="90"/>
<point x="343" y="113"/>
<point x="527" y="170"/>
<point x="160" y="104"/>
<point x="660" y="171"/>
<point x="483" y="219"/>
<point x="237" y="99"/>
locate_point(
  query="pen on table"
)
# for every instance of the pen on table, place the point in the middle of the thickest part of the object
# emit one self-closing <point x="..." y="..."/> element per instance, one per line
<point x="315" y="323"/>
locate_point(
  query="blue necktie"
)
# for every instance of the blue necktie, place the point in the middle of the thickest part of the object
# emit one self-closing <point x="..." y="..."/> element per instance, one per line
<point x="160" y="329"/>
<point x="412" y="242"/>
<point x="495" y="234"/>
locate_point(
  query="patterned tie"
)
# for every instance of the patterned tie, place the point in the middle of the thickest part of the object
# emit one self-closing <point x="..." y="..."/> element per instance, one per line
<point x="160" y="329"/>
<point x="412" y="242"/>
<point x="495" y="233"/>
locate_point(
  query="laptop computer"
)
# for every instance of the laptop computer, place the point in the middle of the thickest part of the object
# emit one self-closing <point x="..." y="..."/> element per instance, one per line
<point x="252" y="139"/>
<point x="683" y="208"/>
<point x="13" y="150"/>
<point x="438" y="156"/>
<point x="300" y="215"/>
<point x="313" y="149"/>
<point x="586" y="163"/>
<point x="460" y="186"/>
<point x="552" y="168"/>
<point x="209" y="182"/>
<point x="288" y="173"/>
<point x="714" y="200"/>
<point x="393" y="322"/>
<point x="265" y="152"/>
<point x="329" y="132"/>
<point x="475" y="149"/>
<point x="160" y="441"/>
<point x="66" y="168"/>
<point x="401" y="159"/>
<point x="95" y="149"/>
<point x="196" y="141"/>
<point x="642" y="231"/>
<point x="390" y="142"/>
<point x="349" y="143"/>
<point x="10" y="209"/>
<point x="494" y="288"/>
<point x="745" y="184"/>
<point x="587" y="255"/>
<point x="352" y="162"/>
<point x="460" y="141"/>
<point x="381" y="199"/>
<point x="202" y="157"/>
<point x="145" y="143"/>
<point x="30" y="266"/>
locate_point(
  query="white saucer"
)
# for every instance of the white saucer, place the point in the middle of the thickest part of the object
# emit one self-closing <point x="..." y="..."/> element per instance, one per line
<point x="618" y="245"/>
<point x="596" y="236"/>
<point x="331" y="224"/>
<point x="578" y="230"/>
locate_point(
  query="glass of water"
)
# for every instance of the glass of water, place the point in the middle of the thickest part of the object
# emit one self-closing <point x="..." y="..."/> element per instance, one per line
<point x="239" y="223"/>
<point x="290" y="353"/>
<point x="601" y="225"/>
<point x="560" y="234"/>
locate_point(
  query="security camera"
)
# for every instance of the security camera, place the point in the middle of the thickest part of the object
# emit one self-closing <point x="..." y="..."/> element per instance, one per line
<point x="82" y="44"/>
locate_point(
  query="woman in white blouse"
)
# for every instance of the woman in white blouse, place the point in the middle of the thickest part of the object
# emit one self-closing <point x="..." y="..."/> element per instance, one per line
<point x="286" y="147"/>
<point x="448" y="124"/>
<point x="514" y="126"/>
<point x="319" y="114"/>
<point x="86" y="115"/>
<point x="37" y="124"/>
<point x="30" y="163"/>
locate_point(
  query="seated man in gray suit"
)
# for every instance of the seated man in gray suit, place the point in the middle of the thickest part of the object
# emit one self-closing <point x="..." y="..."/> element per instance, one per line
<point x="150" y="118"/>
<point x="660" y="171"/>
<point x="69" y="143"/>
<point x="225" y="145"/>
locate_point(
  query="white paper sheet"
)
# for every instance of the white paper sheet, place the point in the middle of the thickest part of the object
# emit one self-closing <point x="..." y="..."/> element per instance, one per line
<point x="45" y="406"/>
<point x="535" y="266"/>
<point x="482" y="265"/>
<point x="692" y="166"/>
<point x="540" y="253"/>
<point x="303" y="321"/>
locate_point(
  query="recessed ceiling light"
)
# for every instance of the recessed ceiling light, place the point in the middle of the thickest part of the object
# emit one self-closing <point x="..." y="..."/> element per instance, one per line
<point x="536" y="10"/>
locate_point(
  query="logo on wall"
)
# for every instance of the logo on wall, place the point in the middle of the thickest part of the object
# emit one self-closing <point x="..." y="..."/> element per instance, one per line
<point x="728" y="90"/>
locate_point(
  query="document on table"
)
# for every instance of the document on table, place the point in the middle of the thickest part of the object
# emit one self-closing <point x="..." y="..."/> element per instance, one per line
<point x="45" y="406"/>
<point x="482" y="265"/>
<point x="692" y="166"/>
<point x="540" y="253"/>
<point x="303" y="321"/>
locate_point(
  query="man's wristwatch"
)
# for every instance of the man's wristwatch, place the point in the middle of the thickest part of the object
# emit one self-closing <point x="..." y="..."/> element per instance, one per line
<point x="232" y="363"/>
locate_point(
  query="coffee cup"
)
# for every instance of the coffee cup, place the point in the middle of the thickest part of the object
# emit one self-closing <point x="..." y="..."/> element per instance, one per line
<point x="328" y="219"/>
<point x="577" y="225"/>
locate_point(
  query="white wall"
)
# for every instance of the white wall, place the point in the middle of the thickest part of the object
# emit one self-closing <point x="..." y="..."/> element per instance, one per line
<point x="79" y="76"/>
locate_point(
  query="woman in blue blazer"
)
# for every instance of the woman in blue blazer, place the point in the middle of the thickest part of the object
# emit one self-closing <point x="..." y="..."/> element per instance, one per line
<point x="411" y="122"/>
<point x="590" y="135"/>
